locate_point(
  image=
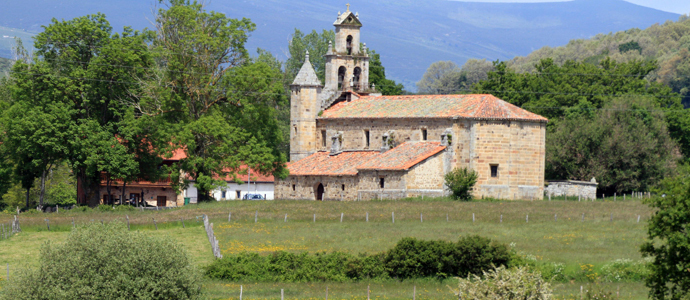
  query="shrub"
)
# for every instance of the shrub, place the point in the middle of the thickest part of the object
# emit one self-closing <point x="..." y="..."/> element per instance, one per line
<point x="502" y="283"/>
<point x="625" y="270"/>
<point x="410" y="258"/>
<point x="108" y="262"/>
<point x="460" y="181"/>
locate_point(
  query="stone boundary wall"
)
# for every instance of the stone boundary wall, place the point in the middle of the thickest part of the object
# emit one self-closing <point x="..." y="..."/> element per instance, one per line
<point x="364" y="195"/>
<point x="572" y="188"/>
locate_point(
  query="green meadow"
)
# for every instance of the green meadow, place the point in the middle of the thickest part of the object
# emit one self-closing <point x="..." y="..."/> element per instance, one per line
<point x="542" y="231"/>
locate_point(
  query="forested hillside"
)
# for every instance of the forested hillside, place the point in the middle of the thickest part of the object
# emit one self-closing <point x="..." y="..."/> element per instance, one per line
<point x="4" y="66"/>
<point x="668" y="44"/>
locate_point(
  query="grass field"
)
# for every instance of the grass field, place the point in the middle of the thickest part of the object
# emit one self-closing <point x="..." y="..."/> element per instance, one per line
<point x="554" y="232"/>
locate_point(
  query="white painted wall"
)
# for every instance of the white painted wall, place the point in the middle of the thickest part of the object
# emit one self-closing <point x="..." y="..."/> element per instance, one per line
<point x="263" y="188"/>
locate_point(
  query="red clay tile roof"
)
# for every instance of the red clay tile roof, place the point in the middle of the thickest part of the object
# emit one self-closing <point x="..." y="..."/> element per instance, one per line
<point x="256" y="177"/>
<point x="323" y="164"/>
<point x="403" y="157"/>
<point x="347" y="163"/>
<point x="480" y="107"/>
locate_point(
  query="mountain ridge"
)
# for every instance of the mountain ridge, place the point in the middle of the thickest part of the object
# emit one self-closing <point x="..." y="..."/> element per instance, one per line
<point x="409" y="35"/>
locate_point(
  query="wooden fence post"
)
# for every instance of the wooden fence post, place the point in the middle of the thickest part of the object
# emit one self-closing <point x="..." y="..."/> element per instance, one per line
<point x="282" y="294"/>
<point x="472" y="217"/>
<point x="421" y="218"/>
<point x="501" y="219"/>
<point x="527" y="219"/>
<point x="555" y="217"/>
<point x="314" y="218"/>
<point x="368" y="285"/>
<point x="182" y="220"/>
<point x="256" y="216"/>
<point x="393" y="216"/>
<point x="285" y="221"/>
<point x="154" y="223"/>
<point x="127" y="222"/>
<point x="638" y="218"/>
<point x="48" y="224"/>
<point x="73" y="223"/>
<point x="341" y="217"/>
<point x="367" y="216"/>
<point x="229" y="216"/>
<point x="240" y="292"/>
<point x="414" y="292"/>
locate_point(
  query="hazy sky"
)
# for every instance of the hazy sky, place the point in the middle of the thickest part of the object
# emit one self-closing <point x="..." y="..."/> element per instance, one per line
<point x="676" y="6"/>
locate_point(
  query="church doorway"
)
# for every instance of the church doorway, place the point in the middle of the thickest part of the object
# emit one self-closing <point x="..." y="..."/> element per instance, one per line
<point x="341" y="78"/>
<point x="319" y="192"/>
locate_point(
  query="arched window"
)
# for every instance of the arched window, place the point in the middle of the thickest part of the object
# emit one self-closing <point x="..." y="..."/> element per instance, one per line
<point x="349" y="45"/>
<point x="357" y="76"/>
<point x="341" y="77"/>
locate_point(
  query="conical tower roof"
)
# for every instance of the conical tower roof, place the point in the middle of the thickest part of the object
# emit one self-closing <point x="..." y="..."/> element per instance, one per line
<point x="307" y="75"/>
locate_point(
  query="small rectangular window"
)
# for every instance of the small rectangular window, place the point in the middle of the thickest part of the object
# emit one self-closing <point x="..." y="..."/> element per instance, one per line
<point x="293" y="187"/>
<point x="382" y="182"/>
<point x="223" y="194"/>
<point x="424" y="134"/>
<point x="343" y="187"/>
<point x="323" y="138"/>
<point x="238" y="194"/>
<point x="494" y="170"/>
<point x="366" y="139"/>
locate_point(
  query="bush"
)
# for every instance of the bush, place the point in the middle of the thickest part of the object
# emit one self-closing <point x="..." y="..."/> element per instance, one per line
<point x="461" y="181"/>
<point x="108" y="262"/>
<point x="410" y="258"/>
<point x="502" y="283"/>
<point x="625" y="270"/>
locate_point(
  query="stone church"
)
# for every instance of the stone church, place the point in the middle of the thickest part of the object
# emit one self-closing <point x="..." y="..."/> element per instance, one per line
<point x="348" y="142"/>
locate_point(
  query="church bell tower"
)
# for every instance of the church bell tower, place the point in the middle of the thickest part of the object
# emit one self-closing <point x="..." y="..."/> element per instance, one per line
<point x="347" y="66"/>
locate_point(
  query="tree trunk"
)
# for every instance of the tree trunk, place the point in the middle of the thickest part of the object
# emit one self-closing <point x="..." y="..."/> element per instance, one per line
<point x="27" y="197"/>
<point x="107" y="187"/>
<point x="43" y="189"/>
<point x="124" y="192"/>
<point x="90" y="187"/>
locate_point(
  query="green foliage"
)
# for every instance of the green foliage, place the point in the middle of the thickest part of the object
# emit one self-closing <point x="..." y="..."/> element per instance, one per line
<point x="107" y="262"/>
<point x="60" y="189"/>
<point x="502" y="283"/>
<point x="214" y="102"/>
<point x="554" y="90"/>
<point x="442" y="77"/>
<point x="377" y="76"/>
<point x="461" y="181"/>
<point x="317" y="45"/>
<point x="630" y="46"/>
<point x="625" y="270"/>
<point x="410" y="258"/>
<point x="668" y="243"/>
<point x="625" y="146"/>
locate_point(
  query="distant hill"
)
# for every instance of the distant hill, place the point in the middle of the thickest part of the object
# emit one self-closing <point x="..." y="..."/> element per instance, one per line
<point x="668" y="44"/>
<point x="409" y="34"/>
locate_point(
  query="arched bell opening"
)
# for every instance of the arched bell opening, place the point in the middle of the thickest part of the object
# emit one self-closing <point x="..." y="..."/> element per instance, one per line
<point x="341" y="77"/>
<point x="349" y="45"/>
<point x="357" y="78"/>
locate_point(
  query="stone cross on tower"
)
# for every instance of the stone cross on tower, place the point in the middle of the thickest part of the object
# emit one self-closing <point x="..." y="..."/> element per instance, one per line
<point x="348" y="6"/>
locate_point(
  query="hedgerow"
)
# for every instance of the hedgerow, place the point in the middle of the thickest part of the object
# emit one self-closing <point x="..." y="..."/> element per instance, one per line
<point x="410" y="258"/>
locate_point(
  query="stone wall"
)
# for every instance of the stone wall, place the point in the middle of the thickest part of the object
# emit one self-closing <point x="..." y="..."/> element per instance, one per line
<point x="517" y="149"/>
<point x="354" y="136"/>
<point x="304" y="107"/>
<point x="572" y="188"/>
<point x="336" y="188"/>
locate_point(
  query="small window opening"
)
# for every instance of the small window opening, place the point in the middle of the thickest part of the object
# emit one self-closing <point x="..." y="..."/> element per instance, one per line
<point x="366" y="139"/>
<point x="294" y="129"/>
<point x="424" y="134"/>
<point x="238" y="194"/>
<point x="382" y="182"/>
<point x="323" y="138"/>
<point x="293" y="187"/>
<point x="223" y="194"/>
<point x="343" y="187"/>
<point x="349" y="45"/>
<point x="494" y="170"/>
